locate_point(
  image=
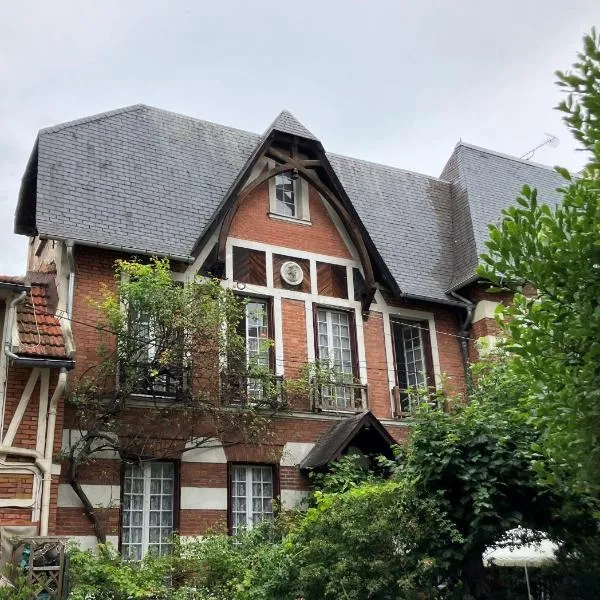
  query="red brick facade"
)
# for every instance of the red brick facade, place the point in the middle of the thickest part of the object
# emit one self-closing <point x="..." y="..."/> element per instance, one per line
<point x="94" y="275"/>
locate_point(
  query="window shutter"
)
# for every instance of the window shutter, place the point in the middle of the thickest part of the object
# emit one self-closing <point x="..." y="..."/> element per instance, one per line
<point x="332" y="280"/>
<point x="249" y="266"/>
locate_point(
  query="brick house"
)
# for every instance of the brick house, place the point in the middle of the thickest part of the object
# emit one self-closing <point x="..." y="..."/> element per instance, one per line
<point x="340" y="257"/>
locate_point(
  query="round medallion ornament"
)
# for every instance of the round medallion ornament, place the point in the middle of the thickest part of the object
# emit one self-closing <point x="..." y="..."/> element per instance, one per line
<point x="291" y="273"/>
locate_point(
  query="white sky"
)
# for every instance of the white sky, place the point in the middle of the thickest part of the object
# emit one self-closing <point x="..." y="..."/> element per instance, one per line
<point x="395" y="82"/>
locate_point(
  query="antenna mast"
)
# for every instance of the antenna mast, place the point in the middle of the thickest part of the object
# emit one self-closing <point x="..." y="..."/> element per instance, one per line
<point x="551" y="140"/>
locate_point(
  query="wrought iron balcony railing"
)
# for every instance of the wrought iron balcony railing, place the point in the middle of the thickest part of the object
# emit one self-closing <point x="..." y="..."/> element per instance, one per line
<point x="338" y="396"/>
<point x="153" y="379"/>
<point x="264" y="390"/>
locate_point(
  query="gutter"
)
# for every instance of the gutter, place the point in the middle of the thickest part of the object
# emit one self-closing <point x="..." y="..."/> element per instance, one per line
<point x="117" y="248"/>
<point x="459" y="303"/>
<point x="464" y="335"/>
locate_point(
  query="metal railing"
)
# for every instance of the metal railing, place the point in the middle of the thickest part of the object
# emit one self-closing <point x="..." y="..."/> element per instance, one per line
<point x="162" y="381"/>
<point x="338" y="396"/>
<point x="246" y="390"/>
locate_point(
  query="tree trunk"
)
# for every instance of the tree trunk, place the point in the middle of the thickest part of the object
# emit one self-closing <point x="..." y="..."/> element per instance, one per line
<point x="88" y="508"/>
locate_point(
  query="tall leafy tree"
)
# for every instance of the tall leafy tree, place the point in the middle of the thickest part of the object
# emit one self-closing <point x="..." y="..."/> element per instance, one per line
<point x="555" y="334"/>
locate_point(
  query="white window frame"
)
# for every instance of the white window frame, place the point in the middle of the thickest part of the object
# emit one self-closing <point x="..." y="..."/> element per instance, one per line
<point x="262" y="357"/>
<point x="146" y="494"/>
<point x="301" y="200"/>
<point x="341" y="398"/>
<point x="249" y="497"/>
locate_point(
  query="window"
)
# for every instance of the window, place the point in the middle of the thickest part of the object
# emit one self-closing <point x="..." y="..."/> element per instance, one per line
<point x="251" y="493"/>
<point x="148" y="509"/>
<point x="285" y="195"/>
<point x="335" y="353"/>
<point x="256" y="325"/>
<point x="413" y="360"/>
<point x="288" y="197"/>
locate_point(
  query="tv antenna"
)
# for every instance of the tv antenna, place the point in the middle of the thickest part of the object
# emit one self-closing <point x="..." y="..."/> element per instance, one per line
<point x="551" y="140"/>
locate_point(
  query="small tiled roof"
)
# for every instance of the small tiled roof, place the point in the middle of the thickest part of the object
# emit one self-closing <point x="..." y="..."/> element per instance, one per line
<point x="40" y="332"/>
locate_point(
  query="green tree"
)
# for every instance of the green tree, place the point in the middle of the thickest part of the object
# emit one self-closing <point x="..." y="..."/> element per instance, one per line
<point x="555" y="334"/>
<point x="177" y="348"/>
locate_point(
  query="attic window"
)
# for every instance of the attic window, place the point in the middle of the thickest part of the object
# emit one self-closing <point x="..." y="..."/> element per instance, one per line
<point x="285" y="195"/>
<point x="288" y="198"/>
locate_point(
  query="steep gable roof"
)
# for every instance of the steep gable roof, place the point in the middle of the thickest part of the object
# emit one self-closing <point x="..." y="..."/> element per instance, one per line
<point x="344" y="433"/>
<point x="286" y="122"/>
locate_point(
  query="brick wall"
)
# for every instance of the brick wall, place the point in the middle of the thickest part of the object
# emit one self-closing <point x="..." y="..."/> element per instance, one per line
<point x="252" y="222"/>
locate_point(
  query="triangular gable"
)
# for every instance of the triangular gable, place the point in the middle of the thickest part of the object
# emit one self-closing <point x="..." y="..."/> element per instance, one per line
<point x="291" y="147"/>
<point x="359" y="430"/>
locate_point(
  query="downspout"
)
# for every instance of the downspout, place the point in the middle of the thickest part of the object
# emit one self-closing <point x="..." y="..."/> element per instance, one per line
<point x="8" y="348"/>
<point x="464" y="335"/>
<point x="71" y="288"/>
<point x="49" y="447"/>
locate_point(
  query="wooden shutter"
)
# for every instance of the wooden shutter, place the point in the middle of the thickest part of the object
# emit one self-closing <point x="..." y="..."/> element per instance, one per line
<point x="249" y="266"/>
<point x="332" y="280"/>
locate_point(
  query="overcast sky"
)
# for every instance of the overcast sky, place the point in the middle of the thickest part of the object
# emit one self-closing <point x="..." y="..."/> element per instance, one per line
<point x="395" y="82"/>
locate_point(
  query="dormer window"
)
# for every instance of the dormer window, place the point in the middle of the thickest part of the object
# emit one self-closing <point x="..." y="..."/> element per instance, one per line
<point x="288" y="198"/>
<point x="285" y="195"/>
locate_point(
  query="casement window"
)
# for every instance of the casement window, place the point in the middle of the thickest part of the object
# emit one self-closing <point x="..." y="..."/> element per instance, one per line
<point x="288" y="197"/>
<point x="251" y="493"/>
<point x="413" y="361"/>
<point x="285" y="195"/>
<point x="336" y="353"/>
<point x="148" y="509"/>
<point x="258" y="353"/>
<point x="146" y="344"/>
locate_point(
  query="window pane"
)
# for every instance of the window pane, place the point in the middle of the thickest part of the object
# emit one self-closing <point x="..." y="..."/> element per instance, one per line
<point x="147" y="509"/>
<point x="251" y="501"/>
<point x="285" y="195"/>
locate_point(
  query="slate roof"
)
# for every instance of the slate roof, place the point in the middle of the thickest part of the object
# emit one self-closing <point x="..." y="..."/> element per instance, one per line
<point x="150" y="181"/>
<point x="485" y="182"/>
<point x="286" y="122"/>
<point x="40" y="332"/>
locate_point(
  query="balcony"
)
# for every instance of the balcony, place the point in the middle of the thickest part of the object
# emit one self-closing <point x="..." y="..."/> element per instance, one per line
<point x="265" y="391"/>
<point x="406" y="402"/>
<point x="338" y="396"/>
<point x="159" y="381"/>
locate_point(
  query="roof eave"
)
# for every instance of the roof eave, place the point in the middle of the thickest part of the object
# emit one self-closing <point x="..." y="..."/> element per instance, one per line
<point x="25" y="213"/>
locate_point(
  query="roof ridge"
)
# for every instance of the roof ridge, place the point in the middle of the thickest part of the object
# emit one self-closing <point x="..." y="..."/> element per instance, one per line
<point x="97" y="117"/>
<point x="386" y="166"/>
<point x="503" y="155"/>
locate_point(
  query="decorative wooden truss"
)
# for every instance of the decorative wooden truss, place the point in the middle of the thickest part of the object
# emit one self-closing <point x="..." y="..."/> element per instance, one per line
<point x="305" y="168"/>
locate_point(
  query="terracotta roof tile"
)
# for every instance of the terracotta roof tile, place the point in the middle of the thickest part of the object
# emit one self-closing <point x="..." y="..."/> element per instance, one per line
<point x="40" y="332"/>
